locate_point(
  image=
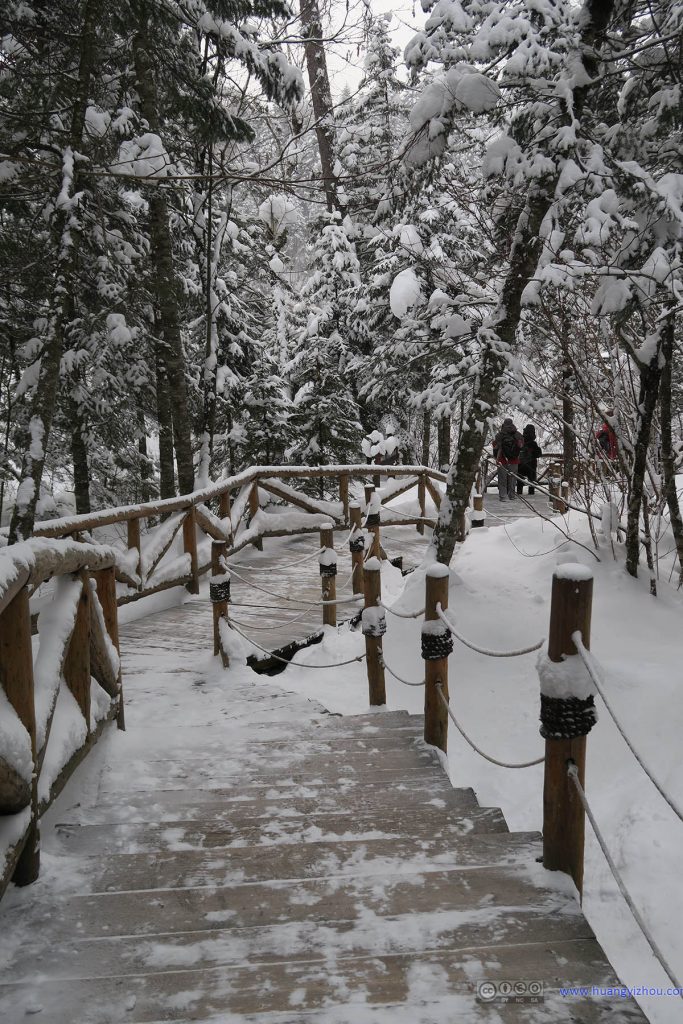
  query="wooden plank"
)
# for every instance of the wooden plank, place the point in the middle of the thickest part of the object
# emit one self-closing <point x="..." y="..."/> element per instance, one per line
<point x="356" y="978"/>
<point x="299" y="501"/>
<point x="77" y="660"/>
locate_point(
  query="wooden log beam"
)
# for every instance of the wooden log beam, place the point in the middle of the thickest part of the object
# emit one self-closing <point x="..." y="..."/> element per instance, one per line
<point x="254" y="507"/>
<point x="16" y="679"/>
<point x="77" y="660"/>
<point x="105" y="585"/>
<point x="190" y="547"/>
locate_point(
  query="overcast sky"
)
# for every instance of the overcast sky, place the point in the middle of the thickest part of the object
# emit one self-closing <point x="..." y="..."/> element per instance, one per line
<point x="344" y="62"/>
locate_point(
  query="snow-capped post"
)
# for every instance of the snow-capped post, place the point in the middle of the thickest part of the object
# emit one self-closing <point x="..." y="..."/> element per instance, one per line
<point x="77" y="660"/>
<point x="357" y="547"/>
<point x="372" y="519"/>
<point x="554" y="486"/>
<point x="374" y="626"/>
<point x="344" y="495"/>
<point x="478" y="514"/>
<point x="437" y="644"/>
<point x="105" y="583"/>
<point x="567" y="716"/>
<point x="133" y="526"/>
<point x="16" y="678"/>
<point x="421" y="500"/>
<point x="253" y="509"/>
<point x="190" y="548"/>
<point x="328" y="574"/>
<point x="219" y="593"/>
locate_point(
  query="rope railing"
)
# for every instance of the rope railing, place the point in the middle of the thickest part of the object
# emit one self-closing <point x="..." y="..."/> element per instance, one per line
<point x="487" y="757"/>
<point x="401" y="615"/>
<point x="269" y="568"/>
<point x="295" y="600"/>
<point x="406" y="682"/>
<point x="287" y="661"/>
<point x="482" y="650"/>
<point x="590" y="666"/>
<point x="573" y="774"/>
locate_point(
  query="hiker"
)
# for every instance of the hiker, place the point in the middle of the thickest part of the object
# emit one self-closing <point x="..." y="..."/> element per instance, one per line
<point x="506" y="447"/>
<point x="606" y="438"/>
<point x="528" y="459"/>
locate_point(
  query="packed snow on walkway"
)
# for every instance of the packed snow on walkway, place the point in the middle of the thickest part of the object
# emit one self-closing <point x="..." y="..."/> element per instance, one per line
<point x="500" y="597"/>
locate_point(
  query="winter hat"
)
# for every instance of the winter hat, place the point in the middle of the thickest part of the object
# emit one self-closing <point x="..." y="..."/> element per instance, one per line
<point x="529" y="432"/>
<point x="508" y="422"/>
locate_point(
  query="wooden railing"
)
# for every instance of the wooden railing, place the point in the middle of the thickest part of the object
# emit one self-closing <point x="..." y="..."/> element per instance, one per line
<point x="65" y="586"/>
<point x="46" y="687"/>
<point x="238" y="511"/>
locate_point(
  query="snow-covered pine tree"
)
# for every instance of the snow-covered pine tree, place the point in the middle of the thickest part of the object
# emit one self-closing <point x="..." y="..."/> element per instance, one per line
<point x="324" y="418"/>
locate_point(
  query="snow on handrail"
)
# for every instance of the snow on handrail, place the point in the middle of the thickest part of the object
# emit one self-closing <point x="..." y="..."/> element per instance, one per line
<point x="35" y="560"/>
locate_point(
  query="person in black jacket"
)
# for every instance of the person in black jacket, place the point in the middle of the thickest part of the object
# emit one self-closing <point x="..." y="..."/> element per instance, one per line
<point x="528" y="457"/>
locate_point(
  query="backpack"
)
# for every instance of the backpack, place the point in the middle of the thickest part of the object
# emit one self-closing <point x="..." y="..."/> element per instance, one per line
<point x="603" y="441"/>
<point x="509" y="447"/>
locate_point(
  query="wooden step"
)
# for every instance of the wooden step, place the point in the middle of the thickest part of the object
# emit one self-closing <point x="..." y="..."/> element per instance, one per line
<point x="197" y="992"/>
<point x="429" y="822"/>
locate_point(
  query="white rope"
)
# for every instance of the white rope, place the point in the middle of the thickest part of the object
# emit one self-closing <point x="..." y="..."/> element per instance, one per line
<point x="269" y="568"/>
<point x="493" y="760"/>
<point x="277" y="625"/>
<point x="401" y="615"/>
<point x="590" y="668"/>
<point x="287" y="661"/>
<point x="294" y="600"/>
<point x="406" y="682"/>
<point x="573" y="773"/>
<point x="482" y="650"/>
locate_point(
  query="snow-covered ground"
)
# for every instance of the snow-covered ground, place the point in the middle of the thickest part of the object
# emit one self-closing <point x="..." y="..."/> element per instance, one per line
<point x="500" y="591"/>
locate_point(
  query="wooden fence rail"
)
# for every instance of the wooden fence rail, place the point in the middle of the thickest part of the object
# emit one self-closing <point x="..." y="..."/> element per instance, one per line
<point x="77" y="644"/>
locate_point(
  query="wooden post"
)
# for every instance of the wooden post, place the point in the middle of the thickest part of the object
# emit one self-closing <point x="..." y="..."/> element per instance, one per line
<point x="562" y="502"/>
<point x="190" y="547"/>
<point x="77" y="660"/>
<point x="134" y="541"/>
<point x="220" y="608"/>
<point x="105" y="583"/>
<point x="563" y="815"/>
<point x="369" y="491"/>
<point x="356" y="556"/>
<point x="328" y="583"/>
<point x="436" y="715"/>
<point x="554" y="486"/>
<point x="253" y="509"/>
<point x="344" y="495"/>
<point x="16" y="678"/>
<point x="372" y="517"/>
<point x="478" y="515"/>
<point x="372" y="586"/>
<point x="224" y="506"/>
<point x="376" y="481"/>
<point x="421" y="500"/>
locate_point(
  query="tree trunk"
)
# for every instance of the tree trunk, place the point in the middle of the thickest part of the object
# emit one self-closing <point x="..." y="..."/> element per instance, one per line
<point x="444" y="434"/>
<point x="498" y="338"/>
<point x="145" y="467"/>
<point x="166" y="471"/>
<point x="426" y="438"/>
<point x="65" y="231"/>
<point x="568" y="439"/>
<point x="164" y="277"/>
<point x="668" y="453"/>
<point x="79" y="455"/>
<point x="321" y="96"/>
<point x="647" y="403"/>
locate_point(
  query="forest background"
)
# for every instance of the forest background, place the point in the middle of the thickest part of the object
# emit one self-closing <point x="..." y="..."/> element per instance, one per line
<point x="213" y="256"/>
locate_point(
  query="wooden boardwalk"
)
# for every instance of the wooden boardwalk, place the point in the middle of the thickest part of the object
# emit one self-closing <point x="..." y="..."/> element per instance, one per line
<point x="239" y="855"/>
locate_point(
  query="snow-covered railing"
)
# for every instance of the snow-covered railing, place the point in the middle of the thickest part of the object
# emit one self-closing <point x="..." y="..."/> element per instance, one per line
<point x="56" y="691"/>
<point x="168" y="543"/>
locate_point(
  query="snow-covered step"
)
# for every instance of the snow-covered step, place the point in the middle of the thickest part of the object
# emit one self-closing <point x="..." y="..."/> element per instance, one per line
<point x="348" y="982"/>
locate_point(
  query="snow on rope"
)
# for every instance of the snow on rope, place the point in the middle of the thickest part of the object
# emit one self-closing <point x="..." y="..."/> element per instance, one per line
<point x="406" y="682"/>
<point x="482" y="650"/>
<point x="295" y="600"/>
<point x="590" y="665"/>
<point x="573" y="773"/>
<point x="287" y="661"/>
<point x="478" y="750"/>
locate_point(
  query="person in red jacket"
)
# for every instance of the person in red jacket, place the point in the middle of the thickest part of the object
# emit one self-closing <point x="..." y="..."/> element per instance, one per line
<point x="607" y="439"/>
<point x="506" y="447"/>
